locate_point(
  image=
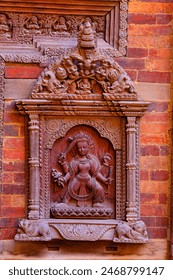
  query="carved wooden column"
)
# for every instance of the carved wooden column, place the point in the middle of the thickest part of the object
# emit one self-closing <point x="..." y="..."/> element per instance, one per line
<point x="131" y="165"/>
<point x="34" y="167"/>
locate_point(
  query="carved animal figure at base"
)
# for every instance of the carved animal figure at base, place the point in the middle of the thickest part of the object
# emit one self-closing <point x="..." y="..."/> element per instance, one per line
<point x="126" y="232"/>
<point x="32" y="229"/>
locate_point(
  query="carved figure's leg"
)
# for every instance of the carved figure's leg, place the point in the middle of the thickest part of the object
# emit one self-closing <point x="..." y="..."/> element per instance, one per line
<point x="99" y="196"/>
<point x="73" y="185"/>
<point x="67" y="197"/>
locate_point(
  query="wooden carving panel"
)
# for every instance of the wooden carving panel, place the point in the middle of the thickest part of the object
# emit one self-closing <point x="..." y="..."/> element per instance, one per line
<point x="90" y="162"/>
<point x="34" y="21"/>
<point x="84" y="149"/>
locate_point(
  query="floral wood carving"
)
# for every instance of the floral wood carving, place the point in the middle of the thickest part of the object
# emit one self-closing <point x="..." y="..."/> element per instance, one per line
<point x="81" y="231"/>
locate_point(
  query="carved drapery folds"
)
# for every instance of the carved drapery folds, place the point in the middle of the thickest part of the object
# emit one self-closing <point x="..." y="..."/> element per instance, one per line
<point x="84" y="140"/>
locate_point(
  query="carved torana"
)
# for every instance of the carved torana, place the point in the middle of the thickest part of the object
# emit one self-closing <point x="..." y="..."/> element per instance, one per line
<point x="85" y="72"/>
<point x="84" y="139"/>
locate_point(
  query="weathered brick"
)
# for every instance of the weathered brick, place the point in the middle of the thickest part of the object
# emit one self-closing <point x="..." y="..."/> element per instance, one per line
<point x="149" y="30"/>
<point x="13" y="189"/>
<point x="14" y="166"/>
<point x="13" y="143"/>
<point x="164" y="150"/>
<point x="13" y="212"/>
<point x="150" y="150"/>
<point x="11" y="130"/>
<point x="163" y="199"/>
<point x="7" y="178"/>
<point x="153" y="162"/>
<point x="157" y="233"/>
<point x="14" y="154"/>
<point x="13" y="117"/>
<point x="151" y="198"/>
<point x="139" y="41"/>
<point x="154" y="128"/>
<point x="159" y="175"/>
<point x="155" y="77"/>
<point x="140" y="18"/>
<point x="131" y="63"/>
<point x="146" y="8"/>
<point x="22" y="71"/>
<point x="7" y="233"/>
<point x="161" y="221"/>
<point x="168" y="8"/>
<point x="137" y="52"/>
<point x="149" y="221"/>
<point x="160" y="53"/>
<point x="162" y="65"/>
<point x="156" y="117"/>
<point x="8" y="223"/>
<point x="158" y="1"/>
<point x="13" y="200"/>
<point x="150" y="210"/>
<point x="132" y="74"/>
<point x="164" y="18"/>
<point x="144" y="175"/>
<point x="22" y="131"/>
<point x="19" y="178"/>
<point x="153" y="186"/>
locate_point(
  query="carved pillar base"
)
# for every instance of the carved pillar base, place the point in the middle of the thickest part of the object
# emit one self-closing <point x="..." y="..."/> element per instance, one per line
<point x="33" y="210"/>
<point x="131" y="212"/>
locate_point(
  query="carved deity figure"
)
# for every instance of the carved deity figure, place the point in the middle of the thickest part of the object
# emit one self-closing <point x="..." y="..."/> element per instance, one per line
<point x="61" y="25"/>
<point x="5" y="26"/>
<point x="33" y="25"/>
<point x="83" y="174"/>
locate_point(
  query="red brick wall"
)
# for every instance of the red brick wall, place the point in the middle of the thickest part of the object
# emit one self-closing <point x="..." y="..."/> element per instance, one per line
<point x="14" y="155"/>
<point x="148" y="64"/>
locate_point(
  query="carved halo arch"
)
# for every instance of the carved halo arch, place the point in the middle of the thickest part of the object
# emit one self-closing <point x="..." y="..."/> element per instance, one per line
<point x="63" y="127"/>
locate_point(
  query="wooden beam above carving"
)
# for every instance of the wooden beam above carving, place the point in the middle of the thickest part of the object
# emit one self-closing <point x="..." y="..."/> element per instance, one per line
<point x="89" y="7"/>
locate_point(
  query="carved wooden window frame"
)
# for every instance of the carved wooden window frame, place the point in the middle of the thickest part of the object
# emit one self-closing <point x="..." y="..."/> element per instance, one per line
<point x="58" y="95"/>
